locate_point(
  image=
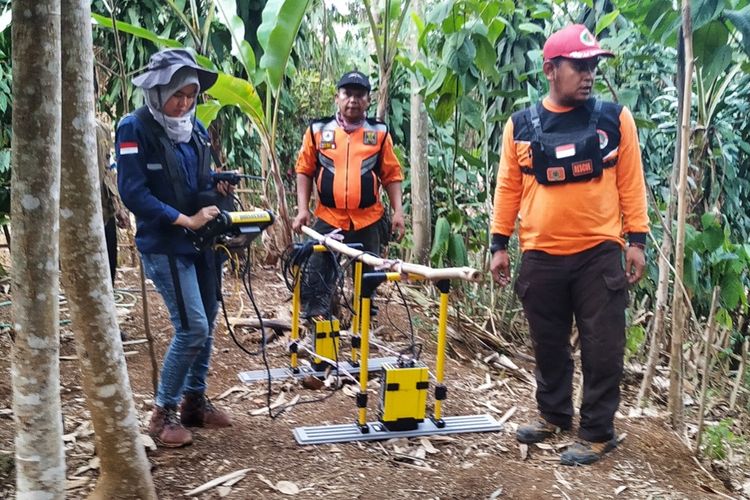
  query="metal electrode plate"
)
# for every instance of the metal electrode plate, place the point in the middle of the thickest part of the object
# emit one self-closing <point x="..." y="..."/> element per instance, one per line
<point x="324" y="434"/>
<point x="373" y="365"/>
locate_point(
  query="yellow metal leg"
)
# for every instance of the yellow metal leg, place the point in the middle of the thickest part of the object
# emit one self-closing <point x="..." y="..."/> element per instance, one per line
<point x="440" y="361"/>
<point x="362" y="419"/>
<point x="357" y="306"/>
<point x="296" y="300"/>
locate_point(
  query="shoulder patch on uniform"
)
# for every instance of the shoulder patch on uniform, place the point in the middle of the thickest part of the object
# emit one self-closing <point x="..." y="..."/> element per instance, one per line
<point x="370" y="138"/>
<point x="603" y="138"/>
<point x="128" y="148"/>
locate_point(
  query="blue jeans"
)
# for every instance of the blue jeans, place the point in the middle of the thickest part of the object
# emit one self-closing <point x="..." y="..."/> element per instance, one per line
<point x="185" y="365"/>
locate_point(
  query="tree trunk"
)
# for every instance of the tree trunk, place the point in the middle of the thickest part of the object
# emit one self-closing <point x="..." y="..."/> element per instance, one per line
<point x="383" y="91"/>
<point x="124" y="468"/>
<point x="678" y="298"/>
<point x="420" y="170"/>
<point x="35" y="160"/>
<point x="658" y="330"/>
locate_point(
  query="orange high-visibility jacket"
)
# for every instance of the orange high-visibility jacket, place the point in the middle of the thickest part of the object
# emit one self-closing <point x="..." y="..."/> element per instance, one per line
<point x="571" y="218"/>
<point x="348" y="170"/>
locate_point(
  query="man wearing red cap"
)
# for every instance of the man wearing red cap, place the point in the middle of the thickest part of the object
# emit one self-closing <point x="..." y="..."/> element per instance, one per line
<point x="571" y="172"/>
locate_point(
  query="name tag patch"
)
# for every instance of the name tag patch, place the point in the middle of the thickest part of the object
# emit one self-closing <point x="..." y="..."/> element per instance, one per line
<point x="153" y="166"/>
<point x="582" y="168"/>
<point x="565" y="151"/>
<point x="555" y="174"/>
<point x="328" y="140"/>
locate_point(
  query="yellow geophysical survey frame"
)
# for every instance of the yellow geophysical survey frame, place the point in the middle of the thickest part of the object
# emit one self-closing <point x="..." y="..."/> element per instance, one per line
<point x="323" y="357"/>
<point x="402" y="407"/>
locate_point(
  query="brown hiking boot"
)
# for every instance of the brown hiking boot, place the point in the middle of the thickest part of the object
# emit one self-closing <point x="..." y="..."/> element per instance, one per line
<point x="198" y="411"/>
<point x="536" y="431"/>
<point x="585" y="452"/>
<point x="165" y="428"/>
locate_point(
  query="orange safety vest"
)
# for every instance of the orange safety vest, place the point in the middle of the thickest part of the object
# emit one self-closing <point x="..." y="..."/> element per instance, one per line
<point x="348" y="165"/>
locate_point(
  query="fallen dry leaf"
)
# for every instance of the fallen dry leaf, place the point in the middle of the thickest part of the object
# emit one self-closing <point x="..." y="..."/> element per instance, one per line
<point x="148" y="442"/>
<point x="280" y="400"/>
<point x="266" y="481"/>
<point x="236" y="388"/>
<point x="216" y="482"/>
<point x="77" y="482"/>
<point x="507" y="415"/>
<point x="427" y="445"/>
<point x="287" y="488"/>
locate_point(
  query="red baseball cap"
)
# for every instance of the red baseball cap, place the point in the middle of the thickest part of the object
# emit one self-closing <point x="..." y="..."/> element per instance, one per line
<point x="574" y="42"/>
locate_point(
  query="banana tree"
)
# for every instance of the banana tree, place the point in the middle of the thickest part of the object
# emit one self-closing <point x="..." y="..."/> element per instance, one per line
<point x="281" y="20"/>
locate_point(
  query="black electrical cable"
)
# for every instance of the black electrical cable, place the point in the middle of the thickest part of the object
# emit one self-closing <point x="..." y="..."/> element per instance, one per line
<point x="414" y="347"/>
<point x="414" y="352"/>
<point x="226" y="315"/>
<point x="249" y="290"/>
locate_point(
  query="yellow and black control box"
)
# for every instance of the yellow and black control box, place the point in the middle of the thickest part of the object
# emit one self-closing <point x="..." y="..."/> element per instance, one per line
<point x="327" y="339"/>
<point x="403" y="395"/>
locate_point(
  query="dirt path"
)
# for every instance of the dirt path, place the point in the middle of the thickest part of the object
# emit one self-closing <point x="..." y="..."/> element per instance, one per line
<point x="650" y="462"/>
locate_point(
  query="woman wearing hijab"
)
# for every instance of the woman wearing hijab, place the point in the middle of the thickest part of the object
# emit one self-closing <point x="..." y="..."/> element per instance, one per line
<point x="163" y="162"/>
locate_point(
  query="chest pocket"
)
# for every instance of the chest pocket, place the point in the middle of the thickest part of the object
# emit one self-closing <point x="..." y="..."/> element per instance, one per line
<point x="563" y="157"/>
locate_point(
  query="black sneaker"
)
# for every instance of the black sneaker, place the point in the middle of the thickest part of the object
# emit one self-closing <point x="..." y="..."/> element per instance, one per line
<point x="585" y="452"/>
<point x="536" y="432"/>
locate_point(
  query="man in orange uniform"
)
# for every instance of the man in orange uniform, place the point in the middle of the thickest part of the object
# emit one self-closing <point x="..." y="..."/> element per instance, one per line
<point x="347" y="157"/>
<point x="571" y="171"/>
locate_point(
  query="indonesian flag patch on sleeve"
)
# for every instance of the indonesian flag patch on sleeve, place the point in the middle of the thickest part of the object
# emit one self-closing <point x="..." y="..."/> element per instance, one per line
<point x="128" y="148"/>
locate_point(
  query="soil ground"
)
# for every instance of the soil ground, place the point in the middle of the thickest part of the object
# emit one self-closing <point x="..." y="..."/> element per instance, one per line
<point x="651" y="462"/>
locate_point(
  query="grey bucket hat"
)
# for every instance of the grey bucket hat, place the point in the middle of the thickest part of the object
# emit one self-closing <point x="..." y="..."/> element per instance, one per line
<point x="165" y="63"/>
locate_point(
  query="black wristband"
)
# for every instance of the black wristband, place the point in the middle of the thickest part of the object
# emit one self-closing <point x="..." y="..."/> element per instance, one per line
<point x="499" y="242"/>
<point x="634" y="238"/>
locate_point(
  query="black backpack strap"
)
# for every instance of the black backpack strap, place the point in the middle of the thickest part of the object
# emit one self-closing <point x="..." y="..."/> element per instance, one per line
<point x="162" y="143"/>
<point x="312" y="135"/>
<point x="594" y="119"/>
<point x="536" y="124"/>
<point x="382" y="145"/>
<point x="182" y="310"/>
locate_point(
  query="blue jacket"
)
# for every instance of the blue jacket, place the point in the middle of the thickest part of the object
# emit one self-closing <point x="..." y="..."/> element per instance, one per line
<point x="155" y="191"/>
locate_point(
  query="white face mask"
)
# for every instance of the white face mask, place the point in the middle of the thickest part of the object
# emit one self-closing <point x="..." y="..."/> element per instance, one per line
<point x="178" y="129"/>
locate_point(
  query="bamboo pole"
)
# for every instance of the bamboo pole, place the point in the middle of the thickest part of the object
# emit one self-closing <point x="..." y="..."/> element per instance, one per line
<point x="740" y="373"/>
<point x="707" y="365"/>
<point x="463" y="273"/>
<point x="678" y="303"/>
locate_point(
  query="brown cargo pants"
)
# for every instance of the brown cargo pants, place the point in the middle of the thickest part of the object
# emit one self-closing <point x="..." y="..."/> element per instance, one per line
<point x="591" y="287"/>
